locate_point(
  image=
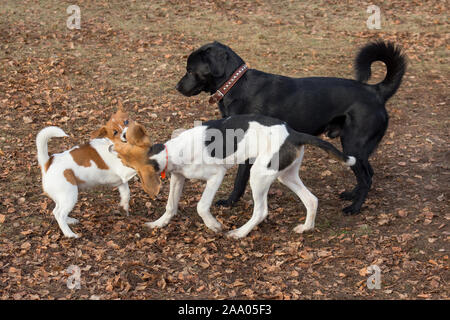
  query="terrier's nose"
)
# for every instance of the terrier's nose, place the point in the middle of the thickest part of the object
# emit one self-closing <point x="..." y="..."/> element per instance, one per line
<point x="123" y="136"/>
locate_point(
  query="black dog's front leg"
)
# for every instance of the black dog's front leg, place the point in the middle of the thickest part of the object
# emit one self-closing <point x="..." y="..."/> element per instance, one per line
<point x="240" y="183"/>
<point x="243" y="174"/>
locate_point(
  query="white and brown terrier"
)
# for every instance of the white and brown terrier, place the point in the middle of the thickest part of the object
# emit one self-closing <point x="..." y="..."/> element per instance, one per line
<point x="207" y="151"/>
<point x="83" y="167"/>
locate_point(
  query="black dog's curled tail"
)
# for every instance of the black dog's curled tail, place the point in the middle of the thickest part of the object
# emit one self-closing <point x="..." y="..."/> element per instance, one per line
<point x="395" y="62"/>
<point x="303" y="138"/>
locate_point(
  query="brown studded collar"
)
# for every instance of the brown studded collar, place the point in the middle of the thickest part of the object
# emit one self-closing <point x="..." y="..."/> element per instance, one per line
<point x="219" y="94"/>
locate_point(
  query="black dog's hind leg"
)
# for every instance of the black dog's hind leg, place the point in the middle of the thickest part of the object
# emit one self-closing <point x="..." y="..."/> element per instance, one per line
<point x="240" y="183"/>
<point x="361" y="134"/>
<point x="350" y="195"/>
<point x="364" y="182"/>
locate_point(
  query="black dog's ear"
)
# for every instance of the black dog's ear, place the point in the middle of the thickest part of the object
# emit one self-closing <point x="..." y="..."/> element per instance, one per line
<point x="217" y="60"/>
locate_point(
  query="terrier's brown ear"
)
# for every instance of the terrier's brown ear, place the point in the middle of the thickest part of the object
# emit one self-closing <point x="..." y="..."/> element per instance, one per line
<point x="150" y="180"/>
<point x="99" y="133"/>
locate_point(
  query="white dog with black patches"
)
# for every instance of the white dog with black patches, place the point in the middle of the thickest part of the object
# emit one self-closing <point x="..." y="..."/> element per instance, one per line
<point x="274" y="149"/>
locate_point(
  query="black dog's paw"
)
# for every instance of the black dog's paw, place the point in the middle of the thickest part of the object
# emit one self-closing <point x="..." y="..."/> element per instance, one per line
<point x="351" y="210"/>
<point x="225" y="203"/>
<point x="347" y="195"/>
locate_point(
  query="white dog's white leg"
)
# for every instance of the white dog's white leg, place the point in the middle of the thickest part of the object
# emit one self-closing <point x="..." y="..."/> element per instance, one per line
<point x="291" y="179"/>
<point x="176" y="188"/>
<point x="65" y="204"/>
<point x="70" y="220"/>
<point x="124" y="191"/>
<point x="260" y="181"/>
<point x="203" y="206"/>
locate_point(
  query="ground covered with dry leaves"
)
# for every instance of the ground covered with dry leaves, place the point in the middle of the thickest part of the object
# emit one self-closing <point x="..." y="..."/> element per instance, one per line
<point x="135" y="52"/>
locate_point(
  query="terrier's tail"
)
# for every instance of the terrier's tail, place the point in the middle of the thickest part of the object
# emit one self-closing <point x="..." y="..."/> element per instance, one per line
<point x="42" y="140"/>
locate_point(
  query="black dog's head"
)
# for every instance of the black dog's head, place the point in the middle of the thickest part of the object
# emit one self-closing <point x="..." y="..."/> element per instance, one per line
<point x="207" y="68"/>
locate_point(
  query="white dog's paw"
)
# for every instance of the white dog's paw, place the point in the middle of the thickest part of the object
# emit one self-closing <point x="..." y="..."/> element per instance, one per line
<point x="214" y="225"/>
<point x="152" y="225"/>
<point x="126" y="209"/>
<point x="70" y="220"/>
<point x="72" y="235"/>
<point x="235" y="234"/>
<point x="155" y="224"/>
<point x="302" y="228"/>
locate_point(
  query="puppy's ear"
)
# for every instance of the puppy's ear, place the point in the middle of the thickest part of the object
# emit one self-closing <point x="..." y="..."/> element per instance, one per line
<point x="125" y="152"/>
<point x="99" y="133"/>
<point x="137" y="135"/>
<point x="120" y="105"/>
<point x="217" y="60"/>
<point x="150" y="180"/>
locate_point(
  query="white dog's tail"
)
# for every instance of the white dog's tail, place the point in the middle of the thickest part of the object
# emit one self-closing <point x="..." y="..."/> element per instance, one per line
<point x="42" y="140"/>
<point x="303" y="138"/>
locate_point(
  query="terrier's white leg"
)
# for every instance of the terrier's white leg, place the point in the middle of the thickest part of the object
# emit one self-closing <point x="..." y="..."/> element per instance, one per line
<point x="124" y="191"/>
<point x="176" y="188"/>
<point x="65" y="203"/>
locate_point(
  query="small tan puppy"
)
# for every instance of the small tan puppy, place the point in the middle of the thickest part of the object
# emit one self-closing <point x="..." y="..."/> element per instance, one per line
<point x="135" y="154"/>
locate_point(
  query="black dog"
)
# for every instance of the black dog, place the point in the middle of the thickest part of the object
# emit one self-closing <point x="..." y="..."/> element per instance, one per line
<point x="350" y="109"/>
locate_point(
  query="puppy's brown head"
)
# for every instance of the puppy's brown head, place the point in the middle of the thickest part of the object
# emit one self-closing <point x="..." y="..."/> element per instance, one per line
<point x="134" y="154"/>
<point x="114" y="127"/>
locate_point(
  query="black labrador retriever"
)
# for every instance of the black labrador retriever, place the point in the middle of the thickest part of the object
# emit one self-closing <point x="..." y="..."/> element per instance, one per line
<point x="350" y="109"/>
